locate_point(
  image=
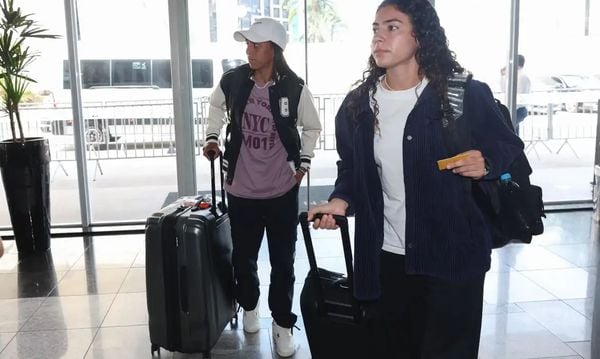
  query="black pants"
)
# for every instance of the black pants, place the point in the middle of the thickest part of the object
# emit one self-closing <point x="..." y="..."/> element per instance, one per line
<point x="249" y="219"/>
<point x="421" y="317"/>
<point x="521" y="114"/>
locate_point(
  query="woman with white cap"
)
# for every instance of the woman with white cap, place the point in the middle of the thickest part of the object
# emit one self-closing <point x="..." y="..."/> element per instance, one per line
<point x="263" y="104"/>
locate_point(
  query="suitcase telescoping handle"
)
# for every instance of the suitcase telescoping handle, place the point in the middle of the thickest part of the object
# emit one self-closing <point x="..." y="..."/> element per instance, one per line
<point x="342" y="223"/>
<point x="213" y="208"/>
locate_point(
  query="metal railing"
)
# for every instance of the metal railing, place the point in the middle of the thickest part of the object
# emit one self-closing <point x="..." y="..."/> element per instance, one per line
<point x="145" y="129"/>
<point x="555" y="124"/>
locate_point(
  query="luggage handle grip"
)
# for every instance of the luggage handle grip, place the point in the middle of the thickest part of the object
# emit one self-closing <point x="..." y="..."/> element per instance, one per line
<point x="342" y="223"/>
<point x="348" y="282"/>
<point x="213" y="207"/>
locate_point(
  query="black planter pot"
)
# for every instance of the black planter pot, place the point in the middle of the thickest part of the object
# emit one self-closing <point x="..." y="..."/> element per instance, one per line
<point x="25" y="169"/>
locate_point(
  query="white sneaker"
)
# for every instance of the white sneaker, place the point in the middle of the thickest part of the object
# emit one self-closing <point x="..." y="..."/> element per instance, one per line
<point x="284" y="341"/>
<point x="251" y="321"/>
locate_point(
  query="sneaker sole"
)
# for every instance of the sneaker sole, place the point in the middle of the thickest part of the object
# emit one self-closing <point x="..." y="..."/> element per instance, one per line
<point x="285" y="355"/>
<point x="252" y="331"/>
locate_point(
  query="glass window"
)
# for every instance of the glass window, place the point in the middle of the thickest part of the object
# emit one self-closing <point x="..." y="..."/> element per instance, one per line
<point x="276" y="12"/>
<point x="202" y="73"/>
<point x="51" y="115"/>
<point x="485" y="51"/>
<point x="131" y="73"/>
<point x="161" y="73"/>
<point x="561" y="56"/>
<point x="339" y="38"/>
<point x="95" y="73"/>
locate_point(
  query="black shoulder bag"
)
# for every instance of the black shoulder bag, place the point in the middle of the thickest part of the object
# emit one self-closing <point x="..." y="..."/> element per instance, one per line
<point x="515" y="208"/>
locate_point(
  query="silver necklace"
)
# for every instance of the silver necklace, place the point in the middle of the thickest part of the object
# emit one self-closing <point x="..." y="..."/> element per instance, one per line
<point x="263" y="86"/>
<point x="387" y="86"/>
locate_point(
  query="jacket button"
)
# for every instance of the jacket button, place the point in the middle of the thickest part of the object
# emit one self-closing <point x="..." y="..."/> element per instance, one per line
<point x="409" y="137"/>
<point x="410" y="245"/>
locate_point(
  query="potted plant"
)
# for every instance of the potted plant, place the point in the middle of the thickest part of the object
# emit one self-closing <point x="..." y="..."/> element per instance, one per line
<point x="24" y="161"/>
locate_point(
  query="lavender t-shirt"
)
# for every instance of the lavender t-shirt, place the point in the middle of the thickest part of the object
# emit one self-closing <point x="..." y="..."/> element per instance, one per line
<point x="262" y="170"/>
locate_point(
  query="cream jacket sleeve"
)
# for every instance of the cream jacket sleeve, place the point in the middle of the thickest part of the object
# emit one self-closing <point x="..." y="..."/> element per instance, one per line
<point x="217" y="115"/>
<point x="308" y="121"/>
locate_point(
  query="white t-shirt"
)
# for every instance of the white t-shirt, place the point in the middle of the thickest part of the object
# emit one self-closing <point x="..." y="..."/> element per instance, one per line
<point x="523" y="87"/>
<point x="394" y="108"/>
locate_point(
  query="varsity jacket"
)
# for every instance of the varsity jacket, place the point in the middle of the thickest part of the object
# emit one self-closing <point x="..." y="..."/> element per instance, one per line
<point x="447" y="236"/>
<point x="291" y="107"/>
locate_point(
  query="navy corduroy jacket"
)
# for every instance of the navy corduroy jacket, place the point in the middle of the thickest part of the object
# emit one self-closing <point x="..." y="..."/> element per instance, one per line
<point x="447" y="235"/>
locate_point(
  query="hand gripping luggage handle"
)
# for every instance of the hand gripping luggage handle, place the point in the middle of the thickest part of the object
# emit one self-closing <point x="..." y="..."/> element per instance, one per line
<point x="342" y="222"/>
<point x="213" y="208"/>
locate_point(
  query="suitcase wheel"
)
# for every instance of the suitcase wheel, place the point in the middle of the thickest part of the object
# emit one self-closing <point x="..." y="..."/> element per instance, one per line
<point x="206" y="355"/>
<point x="155" y="348"/>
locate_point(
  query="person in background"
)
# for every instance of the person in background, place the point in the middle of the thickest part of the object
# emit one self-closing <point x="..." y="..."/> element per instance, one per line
<point x="263" y="103"/>
<point x="422" y="246"/>
<point x="523" y="87"/>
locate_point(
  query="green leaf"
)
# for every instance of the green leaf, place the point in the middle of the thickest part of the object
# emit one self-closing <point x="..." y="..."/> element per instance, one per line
<point x="16" y="56"/>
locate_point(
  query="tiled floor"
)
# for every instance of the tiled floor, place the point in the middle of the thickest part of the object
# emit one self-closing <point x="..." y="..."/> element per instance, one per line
<point x="87" y="299"/>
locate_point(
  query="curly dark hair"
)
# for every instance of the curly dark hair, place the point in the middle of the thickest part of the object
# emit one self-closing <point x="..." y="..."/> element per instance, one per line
<point x="436" y="61"/>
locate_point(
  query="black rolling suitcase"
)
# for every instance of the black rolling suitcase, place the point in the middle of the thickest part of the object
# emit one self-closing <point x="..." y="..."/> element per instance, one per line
<point x="337" y="325"/>
<point x="189" y="276"/>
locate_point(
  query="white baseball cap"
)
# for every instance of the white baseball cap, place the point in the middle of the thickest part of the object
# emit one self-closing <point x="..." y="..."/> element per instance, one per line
<point x="265" y="29"/>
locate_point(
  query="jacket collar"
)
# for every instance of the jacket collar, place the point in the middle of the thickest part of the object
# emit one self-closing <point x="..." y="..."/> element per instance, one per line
<point x="250" y="75"/>
<point x="428" y="96"/>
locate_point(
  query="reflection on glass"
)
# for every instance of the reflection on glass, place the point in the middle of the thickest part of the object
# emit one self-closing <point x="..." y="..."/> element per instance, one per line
<point x="37" y="278"/>
<point x="90" y="265"/>
<point x="36" y="275"/>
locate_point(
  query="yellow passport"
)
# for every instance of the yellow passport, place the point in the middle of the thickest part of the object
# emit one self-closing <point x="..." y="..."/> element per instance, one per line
<point x="443" y="163"/>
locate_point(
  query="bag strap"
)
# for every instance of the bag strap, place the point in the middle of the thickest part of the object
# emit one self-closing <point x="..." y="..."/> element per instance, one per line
<point x="456" y="131"/>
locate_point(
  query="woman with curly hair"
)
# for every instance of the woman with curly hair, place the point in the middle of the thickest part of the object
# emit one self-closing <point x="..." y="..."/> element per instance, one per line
<point x="422" y="245"/>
